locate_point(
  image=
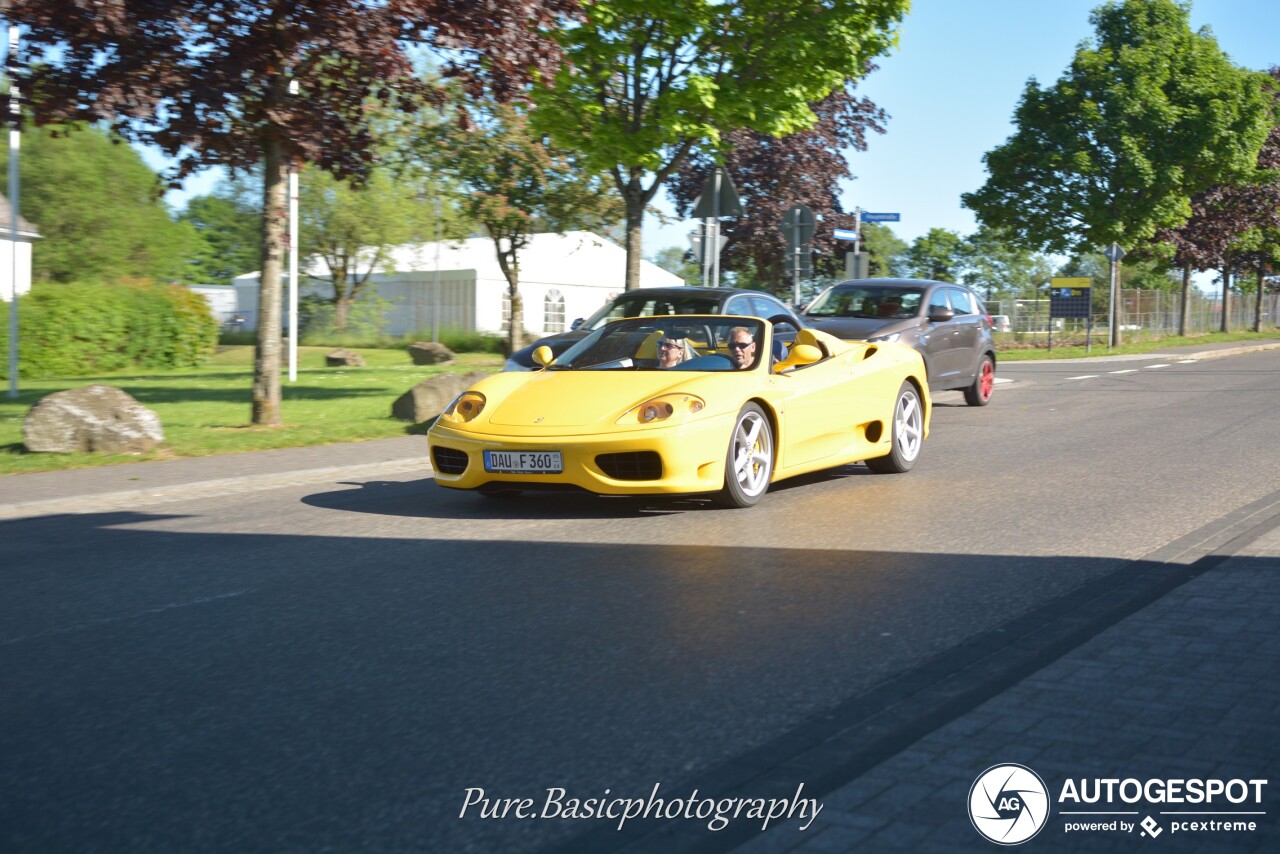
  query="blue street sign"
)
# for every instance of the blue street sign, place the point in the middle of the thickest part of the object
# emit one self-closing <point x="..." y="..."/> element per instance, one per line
<point x="867" y="216"/>
<point x="844" y="234"/>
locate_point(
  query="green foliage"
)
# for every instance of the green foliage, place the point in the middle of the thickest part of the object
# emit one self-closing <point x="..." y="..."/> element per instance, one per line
<point x="679" y="261"/>
<point x="887" y="250"/>
<point x="76" y="329"/>
<point x="1148" y="114"/>
<point x="935" y="255"/>
<point x="229" y="223"/>
<point x="98" y="209"/>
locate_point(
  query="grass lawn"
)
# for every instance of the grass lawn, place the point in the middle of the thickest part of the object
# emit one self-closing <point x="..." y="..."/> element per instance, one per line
<point x="206" y="410"/>
<point x="1008" y="351"/>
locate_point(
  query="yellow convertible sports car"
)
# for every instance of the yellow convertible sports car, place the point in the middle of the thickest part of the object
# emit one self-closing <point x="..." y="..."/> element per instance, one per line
<point x="685" y="404"/>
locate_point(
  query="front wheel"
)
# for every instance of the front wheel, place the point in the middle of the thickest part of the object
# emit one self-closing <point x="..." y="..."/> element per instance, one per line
<point x="749" y="463"/>
<point x="979" y="394"/>
<point x="907" y="433"/>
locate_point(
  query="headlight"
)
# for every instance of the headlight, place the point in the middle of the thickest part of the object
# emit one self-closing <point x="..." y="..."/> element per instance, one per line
<point x="662" y="408"/>
<point x="465" y="407"/>
<point x="892" y="336"/>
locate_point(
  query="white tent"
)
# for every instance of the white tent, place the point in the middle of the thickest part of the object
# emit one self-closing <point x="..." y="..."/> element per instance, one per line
<point x="562" y="277"/>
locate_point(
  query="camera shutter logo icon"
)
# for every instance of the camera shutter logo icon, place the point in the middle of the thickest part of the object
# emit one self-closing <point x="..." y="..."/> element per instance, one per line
<point x="1008" y="804"/>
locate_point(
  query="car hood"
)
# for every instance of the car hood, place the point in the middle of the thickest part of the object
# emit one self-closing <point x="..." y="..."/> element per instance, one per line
<point x="859" y="328"/>
<point x="583" y="403"/>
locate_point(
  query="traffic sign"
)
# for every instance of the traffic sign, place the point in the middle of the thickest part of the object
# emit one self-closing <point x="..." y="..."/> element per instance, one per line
<point x="718" y="198"/>
<point x="797" y="225"/>
<point x="697" y="239"/>
<point x="867" y="216"/>
<point x="844" y="234"/>
<point x="1114" y="253"/>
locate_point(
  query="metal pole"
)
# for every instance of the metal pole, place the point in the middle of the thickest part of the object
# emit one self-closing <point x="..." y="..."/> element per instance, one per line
<point x="293" y="260"/>
<point x="1113" y="315"/>
<point x="15" y="136"/>
<point x="795" y="261"/>
<point x="715" y="237"/>
<point x="435" y="309"/>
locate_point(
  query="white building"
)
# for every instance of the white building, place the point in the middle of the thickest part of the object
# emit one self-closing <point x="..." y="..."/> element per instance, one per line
<point x="562" y="277"/>
<point x="26" y="234"/>
<point x="221" y="299"/>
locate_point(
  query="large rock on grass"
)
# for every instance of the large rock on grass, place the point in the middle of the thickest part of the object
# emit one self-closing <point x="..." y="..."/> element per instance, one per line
<point x="341" y="358"/>
<point x="430" y="353"/>
<point x="92" y="419"/>
<point x="428" y="398"/>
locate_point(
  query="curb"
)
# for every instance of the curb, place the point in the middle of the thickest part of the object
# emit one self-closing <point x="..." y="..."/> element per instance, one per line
<point x="107" y="501"/>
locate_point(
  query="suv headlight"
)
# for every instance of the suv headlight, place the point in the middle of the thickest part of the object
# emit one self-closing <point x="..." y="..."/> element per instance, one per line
<point x="892" y="336"/>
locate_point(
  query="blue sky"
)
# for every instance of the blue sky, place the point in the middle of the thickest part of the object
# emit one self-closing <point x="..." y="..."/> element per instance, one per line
<point x="950" y="89"/>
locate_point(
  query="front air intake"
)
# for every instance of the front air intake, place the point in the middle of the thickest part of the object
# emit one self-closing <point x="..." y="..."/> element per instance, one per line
<point x="448" y="460"/>
<point x="632" y="465"/>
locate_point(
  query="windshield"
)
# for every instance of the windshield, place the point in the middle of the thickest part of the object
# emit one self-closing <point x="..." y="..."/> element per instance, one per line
<point x="867" y="301"/>
<point x="702" y="343"/>
<point x="641" y="304"/>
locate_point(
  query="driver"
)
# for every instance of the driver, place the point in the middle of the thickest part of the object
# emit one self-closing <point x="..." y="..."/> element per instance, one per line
<point x="742" y="347"/>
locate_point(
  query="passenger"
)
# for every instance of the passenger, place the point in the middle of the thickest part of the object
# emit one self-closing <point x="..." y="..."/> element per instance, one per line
<point x="670" y="352"/>
<point x="742" y="347"/>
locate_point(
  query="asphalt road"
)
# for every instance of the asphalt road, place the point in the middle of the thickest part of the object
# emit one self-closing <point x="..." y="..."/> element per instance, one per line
<point x="331" y="667"/>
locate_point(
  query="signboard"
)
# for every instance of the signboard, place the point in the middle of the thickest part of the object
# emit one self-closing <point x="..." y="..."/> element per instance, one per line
<point x="1070" y="297"/>
<point x="1114" y="253"/>
<point x="844" y="234"/>
<point x="718" y="198"/>
<point x="798" y="225"/>
<point x="868" y="216"/>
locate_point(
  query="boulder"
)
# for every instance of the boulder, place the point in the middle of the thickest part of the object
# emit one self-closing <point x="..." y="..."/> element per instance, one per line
<point x="430" y="353"/>
<point x="343" y="358"/>
<point x="428" y="398"/>
<point x="93" y="419"/>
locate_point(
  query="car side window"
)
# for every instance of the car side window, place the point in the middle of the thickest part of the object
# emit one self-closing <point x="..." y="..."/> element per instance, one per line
<point x="938" y="299"/>
<point x="738" y="305"/>
<point x="961" y="301"/>
<point x="766" y="308"/>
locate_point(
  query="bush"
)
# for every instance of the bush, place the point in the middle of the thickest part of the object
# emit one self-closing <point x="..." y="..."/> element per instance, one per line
<point x="82" y="328"/>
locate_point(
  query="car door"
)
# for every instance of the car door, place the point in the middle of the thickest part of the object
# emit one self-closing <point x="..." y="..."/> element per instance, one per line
<point x="966" y="332"/>
<point x="937" y="343"/>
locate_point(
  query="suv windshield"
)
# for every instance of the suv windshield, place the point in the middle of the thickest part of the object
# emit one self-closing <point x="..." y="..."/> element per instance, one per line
<point x="867" y="301"/>
<point x="646" y="305"/>
<point x="687" y="343"/>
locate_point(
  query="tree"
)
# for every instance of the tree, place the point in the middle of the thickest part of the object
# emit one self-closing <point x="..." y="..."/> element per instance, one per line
<point x="1000" y="268"/>
<point x="229" y="223"/>
<point x="518" y="185"/>
<point x="208" y="81"/>
<point x="679" y="261"/>
<point x="1232" y="222"/>
<point x="774" y="174"/>
<point x="97" y="206"/>
<point x="937" y="255"/>
<point x="644" y="84"/>
<point x="353" y="229"/>
<point x="1147" y="115"/>
<point x="884" y="248"/>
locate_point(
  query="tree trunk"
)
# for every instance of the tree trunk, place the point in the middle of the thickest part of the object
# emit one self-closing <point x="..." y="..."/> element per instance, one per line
<point x="509" y="263"/>
<point x="1257" y="308"/>
<point x="1225" y="325"/>
<point x="633" y="197"/>
<point x="266" y="360"/>
<point x="341" y="309"/>
<point x="1184" y="320"/>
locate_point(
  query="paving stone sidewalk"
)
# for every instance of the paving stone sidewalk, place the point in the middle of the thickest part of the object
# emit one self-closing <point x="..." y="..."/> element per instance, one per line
<point x="1186" y="688"/>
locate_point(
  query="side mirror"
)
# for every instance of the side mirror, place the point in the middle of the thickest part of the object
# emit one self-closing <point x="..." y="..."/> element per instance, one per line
<point x="577" y="321"/>
<point x="800" y="355"/>
<point x="940" y="315"/>
<point x="543" y="355"/>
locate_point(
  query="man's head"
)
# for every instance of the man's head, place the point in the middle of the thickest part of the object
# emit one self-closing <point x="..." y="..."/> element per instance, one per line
<point x="742" y="347"/>
<point x="670" y="352"/>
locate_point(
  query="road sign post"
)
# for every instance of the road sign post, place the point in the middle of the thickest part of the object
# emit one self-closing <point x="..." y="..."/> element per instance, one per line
<point x="719" y="198"/>
<point x="798" y="224"/>
<point x="1114" y="253"/>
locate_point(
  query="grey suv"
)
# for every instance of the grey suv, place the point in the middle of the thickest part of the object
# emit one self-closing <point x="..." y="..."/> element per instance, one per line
<point x="947" y="323"/>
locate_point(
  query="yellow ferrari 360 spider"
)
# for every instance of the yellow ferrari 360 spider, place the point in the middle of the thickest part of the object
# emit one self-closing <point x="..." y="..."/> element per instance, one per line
<point x="685" y="404"/>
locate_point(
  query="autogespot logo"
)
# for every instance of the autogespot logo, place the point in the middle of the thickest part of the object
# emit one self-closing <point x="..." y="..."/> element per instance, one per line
<point x="1008" y="804"/>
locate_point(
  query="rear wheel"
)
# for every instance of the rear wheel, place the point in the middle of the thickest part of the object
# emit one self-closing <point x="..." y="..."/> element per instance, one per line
<point x="749" y="463"/>
<point x="979" y="394"/>
<point x="907" y="433"/>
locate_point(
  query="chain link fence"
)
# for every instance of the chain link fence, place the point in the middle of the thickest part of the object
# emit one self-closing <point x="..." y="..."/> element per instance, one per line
<point x="1143" y="314"/>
